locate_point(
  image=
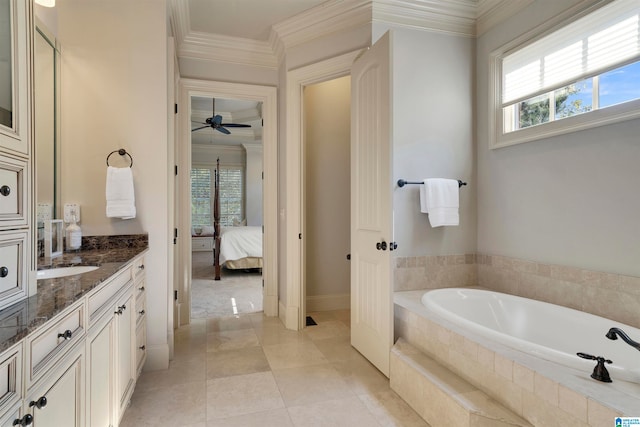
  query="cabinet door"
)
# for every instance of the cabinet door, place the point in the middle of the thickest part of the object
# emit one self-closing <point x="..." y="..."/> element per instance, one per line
<point x="15" y="417"/>
<point x="125" y="353"/>
<point x="100" y="374"/>
<point x="60" y="404"/>
<point x="14" y="76"/>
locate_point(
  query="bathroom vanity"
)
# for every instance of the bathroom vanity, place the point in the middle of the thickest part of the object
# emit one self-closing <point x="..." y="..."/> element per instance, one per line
<point x="70" y="355"/>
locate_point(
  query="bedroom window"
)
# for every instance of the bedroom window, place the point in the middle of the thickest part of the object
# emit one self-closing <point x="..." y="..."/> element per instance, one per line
<point x="583" y="75"/>
<point x="231" y="195"/>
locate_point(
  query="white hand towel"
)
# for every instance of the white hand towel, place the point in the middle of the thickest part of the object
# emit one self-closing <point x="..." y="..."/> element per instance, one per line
<point x="439" y="198"/>
<point x="121" y="202"/>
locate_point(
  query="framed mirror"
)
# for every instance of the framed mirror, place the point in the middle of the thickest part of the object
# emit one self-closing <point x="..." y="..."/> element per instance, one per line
<point x="46" y="125"/>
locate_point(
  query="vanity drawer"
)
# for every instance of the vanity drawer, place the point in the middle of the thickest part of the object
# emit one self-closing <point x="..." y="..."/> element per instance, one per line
<point x="46" y="348"/>
<point x="10" y="377"/>
<point x="137" y="270"/>
<point x="141" y="309"/>
<point x="13" y="199"/>
<point x="141" y="346"/>
<point x="100" y="301"/>
<point x="13" y="267"/>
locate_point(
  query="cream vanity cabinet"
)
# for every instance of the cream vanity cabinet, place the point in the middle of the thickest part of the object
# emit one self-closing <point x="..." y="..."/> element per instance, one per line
<point x="15" y="151"/>
<point x="111" y="346"/>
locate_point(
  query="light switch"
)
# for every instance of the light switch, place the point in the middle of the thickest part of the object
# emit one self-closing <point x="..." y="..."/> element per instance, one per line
<point x="71" y="209"/>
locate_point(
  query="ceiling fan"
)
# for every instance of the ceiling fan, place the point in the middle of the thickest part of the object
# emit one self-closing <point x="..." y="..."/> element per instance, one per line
<point x="215" y="122"/>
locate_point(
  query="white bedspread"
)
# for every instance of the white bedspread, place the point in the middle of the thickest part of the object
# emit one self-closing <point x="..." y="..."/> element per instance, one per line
<point x="240" y="242"/>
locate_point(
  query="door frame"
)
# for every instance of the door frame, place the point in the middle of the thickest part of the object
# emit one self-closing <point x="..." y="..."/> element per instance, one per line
<point x="268" y="96"/>
<point x="297" y="79"/>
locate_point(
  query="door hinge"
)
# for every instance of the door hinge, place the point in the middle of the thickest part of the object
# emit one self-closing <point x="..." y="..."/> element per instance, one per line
<point x="262" y="175"/>
<point x="175" y="236"/>
<point x="175" y="169"/>
<point x="175" y="108"/>
<point x="175" y="295"/>
<point x="300" y="236"/>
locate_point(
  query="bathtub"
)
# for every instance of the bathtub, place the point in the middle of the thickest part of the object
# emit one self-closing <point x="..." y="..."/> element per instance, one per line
<point x="548" y="331"/>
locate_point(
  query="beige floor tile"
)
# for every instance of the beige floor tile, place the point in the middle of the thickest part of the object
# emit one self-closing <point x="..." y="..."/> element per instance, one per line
<point x="337" y="348"/>
<point x="230" y="323"/>
<point x="236" y="362"/>
<point x="293" y="355"/>
<point x="361" y="376"/>
<point x="328" y="329"/>
<point x="232" y="340"/>
<point x="181" y="370"/>
<point x="349" y="412"/>
<point x="390" y="410"/>
<point x="270" y="334"/>
<point x="241" y="395"/>
<point x="272" y="418"/>
<point x="311" y="384"/>
<point x="177" y="405"/>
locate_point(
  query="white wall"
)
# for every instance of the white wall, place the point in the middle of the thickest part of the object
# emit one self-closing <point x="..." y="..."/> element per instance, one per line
<point x="114" y="95"/>
<point x="327" y="123"/>
<point x="432" y="136"/>
<point x="568" y="200"/>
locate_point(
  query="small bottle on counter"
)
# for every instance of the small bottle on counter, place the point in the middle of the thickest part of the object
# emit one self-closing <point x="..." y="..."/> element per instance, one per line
<point x="73" y="235"/>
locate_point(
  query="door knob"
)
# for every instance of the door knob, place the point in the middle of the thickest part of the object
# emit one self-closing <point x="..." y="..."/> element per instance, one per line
<point x="349" y="257"/>
<point x="393" y="246"/>
<point x="381" y="246"/>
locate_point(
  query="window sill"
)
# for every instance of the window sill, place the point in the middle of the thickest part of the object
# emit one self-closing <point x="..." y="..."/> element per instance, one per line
<point x="614" y="114"/>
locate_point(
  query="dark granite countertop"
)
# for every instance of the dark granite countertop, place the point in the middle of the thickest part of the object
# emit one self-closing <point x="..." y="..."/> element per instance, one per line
<point x="54" y="295"/>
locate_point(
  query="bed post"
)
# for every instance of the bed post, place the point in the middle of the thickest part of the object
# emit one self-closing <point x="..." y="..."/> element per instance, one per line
<point x="216" y="221"/>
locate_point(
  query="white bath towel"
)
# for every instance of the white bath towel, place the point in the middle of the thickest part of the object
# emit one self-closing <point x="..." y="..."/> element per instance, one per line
<point x="439" y="198"/>
<point x="121" y="202"/>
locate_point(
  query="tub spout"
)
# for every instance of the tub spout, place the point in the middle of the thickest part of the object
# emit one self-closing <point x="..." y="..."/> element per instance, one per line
<point x="615" y="332"/>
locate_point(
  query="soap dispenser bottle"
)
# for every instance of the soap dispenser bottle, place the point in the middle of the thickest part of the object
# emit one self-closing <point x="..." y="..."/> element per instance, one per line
<point x="73" y="235"/>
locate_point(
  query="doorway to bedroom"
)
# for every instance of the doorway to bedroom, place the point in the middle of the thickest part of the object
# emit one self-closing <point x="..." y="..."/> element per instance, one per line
<point x="226" y="201"/>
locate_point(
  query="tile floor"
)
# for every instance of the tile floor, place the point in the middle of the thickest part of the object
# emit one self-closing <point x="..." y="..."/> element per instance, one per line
<point x="249" y="370"/>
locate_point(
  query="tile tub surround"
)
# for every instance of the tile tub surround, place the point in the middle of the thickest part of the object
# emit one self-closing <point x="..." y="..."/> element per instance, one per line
<point x="608" y="295"/>
<point x="54" y="295"/>
<point x="543" y="393"/>
<point x="434" y="272"/>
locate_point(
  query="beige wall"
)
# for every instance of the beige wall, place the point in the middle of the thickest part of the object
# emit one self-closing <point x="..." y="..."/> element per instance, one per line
<point x="567" y="200"/>
<point x="327" y="124"/>
<point x="114" y="95"/>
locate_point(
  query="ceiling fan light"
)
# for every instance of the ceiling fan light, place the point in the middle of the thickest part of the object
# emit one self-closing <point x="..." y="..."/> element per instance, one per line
<point x="46" y="3"/>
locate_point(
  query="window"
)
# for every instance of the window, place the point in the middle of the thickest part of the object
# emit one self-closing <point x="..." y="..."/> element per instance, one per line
<point x="231" y="195"/>
<point x="585" y="74"/>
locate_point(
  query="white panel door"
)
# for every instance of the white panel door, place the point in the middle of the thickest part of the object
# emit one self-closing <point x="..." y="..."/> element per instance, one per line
<point x="371" y="218"/>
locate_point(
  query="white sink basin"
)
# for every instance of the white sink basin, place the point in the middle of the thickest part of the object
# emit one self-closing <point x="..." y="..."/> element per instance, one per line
<point x="53" y="273"/>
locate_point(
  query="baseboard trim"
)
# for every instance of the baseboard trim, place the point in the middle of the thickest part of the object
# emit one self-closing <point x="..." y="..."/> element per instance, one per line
<point x="328" y="302"/>
<point x="282" y="313"/>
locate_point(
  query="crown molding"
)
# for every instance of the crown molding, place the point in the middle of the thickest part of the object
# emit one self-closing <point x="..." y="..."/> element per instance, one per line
<point x="492" y="12"/>
<point x="469" y="18"/>
<point x="453" y="16"/>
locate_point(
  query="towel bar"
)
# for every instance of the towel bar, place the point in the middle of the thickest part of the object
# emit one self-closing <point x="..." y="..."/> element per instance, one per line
<point x="402" y="183"/>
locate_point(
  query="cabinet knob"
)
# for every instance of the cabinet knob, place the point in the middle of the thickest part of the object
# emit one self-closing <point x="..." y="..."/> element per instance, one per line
<point x="118" y="311"/>
<point x="40" y="403"/>
<point x="27" y="420"/>
<point x="5" y="190"/>
<point x="141" y="312"/>
<point x="141" y="288"/>
<point x="141" y="266"/>
<point x="142" y="347"/>
<point x="66" y="335"/>
<point x="4" y="271"/>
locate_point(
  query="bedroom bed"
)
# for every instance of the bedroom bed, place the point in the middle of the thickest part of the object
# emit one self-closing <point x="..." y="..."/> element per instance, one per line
<point x="235" y="247"/>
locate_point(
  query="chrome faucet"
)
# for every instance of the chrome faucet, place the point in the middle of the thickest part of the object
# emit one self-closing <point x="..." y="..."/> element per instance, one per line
<point x="615" y="332"/>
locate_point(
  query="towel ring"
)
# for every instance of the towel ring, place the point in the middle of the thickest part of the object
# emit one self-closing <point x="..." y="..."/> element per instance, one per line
<point x="122" y="152"/>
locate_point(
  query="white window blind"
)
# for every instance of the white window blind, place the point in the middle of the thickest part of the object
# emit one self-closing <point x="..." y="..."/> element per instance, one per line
<point x="591" y="45"/>
<point x="231" y="195"/>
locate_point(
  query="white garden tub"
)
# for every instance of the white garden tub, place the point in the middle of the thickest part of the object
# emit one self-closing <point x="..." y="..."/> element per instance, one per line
<point x="545" y="330"/>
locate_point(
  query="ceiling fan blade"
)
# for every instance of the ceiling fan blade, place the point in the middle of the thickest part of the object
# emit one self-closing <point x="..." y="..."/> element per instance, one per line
<point x="235" y="125"/>
<point x="217" y="120"/>
<point x="201" y="127"/>
<point x="223" y="130"/>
